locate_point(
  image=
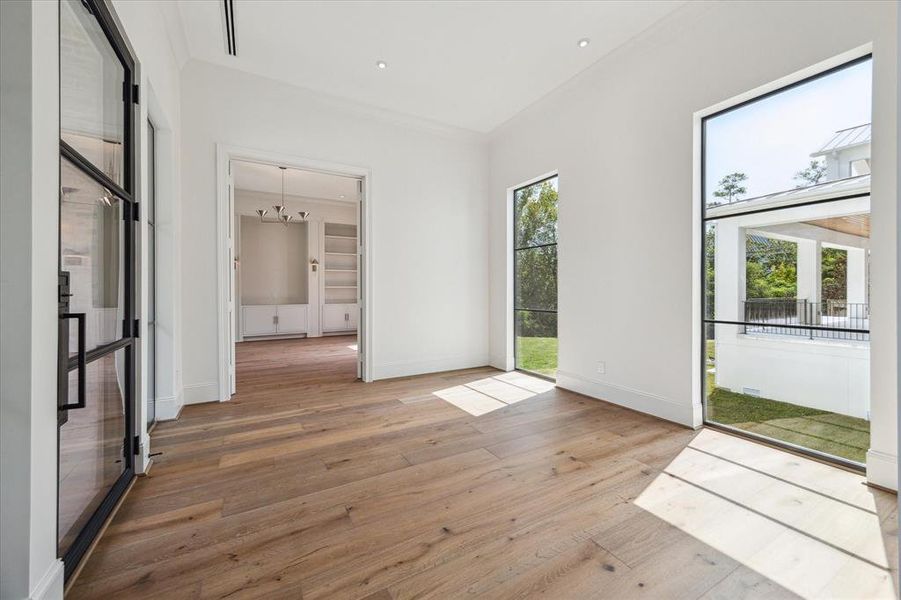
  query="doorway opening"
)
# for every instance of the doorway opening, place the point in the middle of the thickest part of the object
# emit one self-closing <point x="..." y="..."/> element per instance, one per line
<point x="297" y="267"/>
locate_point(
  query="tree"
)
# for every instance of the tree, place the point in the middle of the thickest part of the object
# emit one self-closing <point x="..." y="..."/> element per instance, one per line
<point x="771" y="268"/>
<point x="835" y="274"/>
<point x="730" y="187"/>
<point x="536" y="267"/>
<point x="811" y="175"/>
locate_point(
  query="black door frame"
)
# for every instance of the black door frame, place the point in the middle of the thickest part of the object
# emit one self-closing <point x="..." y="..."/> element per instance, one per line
<point x="125" y="193"/>
<point x="516" y="249"/>
<point x="712" y="321"/>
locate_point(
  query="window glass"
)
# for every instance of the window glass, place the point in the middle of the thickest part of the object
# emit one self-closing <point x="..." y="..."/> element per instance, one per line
<point x="808" y="135"/>
<point x="92" y="83"/>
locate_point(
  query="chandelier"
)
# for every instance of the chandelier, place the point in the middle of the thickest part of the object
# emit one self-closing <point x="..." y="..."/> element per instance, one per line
<point x="281" y="211"/>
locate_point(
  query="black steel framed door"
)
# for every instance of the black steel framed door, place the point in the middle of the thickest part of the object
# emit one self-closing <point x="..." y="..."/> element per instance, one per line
<point x="97" y="326"/>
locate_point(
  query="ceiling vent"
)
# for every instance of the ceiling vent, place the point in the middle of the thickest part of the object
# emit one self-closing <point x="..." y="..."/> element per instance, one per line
<point x="231" y="44"/>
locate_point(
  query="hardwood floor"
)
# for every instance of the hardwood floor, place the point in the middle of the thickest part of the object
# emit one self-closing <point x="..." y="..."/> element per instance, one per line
<point x="311" y="485"/>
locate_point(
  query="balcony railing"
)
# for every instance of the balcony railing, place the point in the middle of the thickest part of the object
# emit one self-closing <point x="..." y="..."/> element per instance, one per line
<point x="779" y="315"/>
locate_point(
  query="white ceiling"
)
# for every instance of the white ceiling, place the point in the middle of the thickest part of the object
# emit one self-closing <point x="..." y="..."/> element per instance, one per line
<point x="257" y="177"/>
<point x="466" y="64"/>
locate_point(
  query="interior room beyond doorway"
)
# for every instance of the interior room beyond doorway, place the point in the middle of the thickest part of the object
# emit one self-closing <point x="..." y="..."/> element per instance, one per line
<point x="297" y="256"/>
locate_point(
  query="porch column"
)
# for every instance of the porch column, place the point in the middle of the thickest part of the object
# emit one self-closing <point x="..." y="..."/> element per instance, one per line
<point x="729" y="269"/>
<point x="857" y="276"/>
<point x="809" y="278"/>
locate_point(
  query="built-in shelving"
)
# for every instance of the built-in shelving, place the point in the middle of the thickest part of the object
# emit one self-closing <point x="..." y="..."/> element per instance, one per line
<point x="339" y="287"/>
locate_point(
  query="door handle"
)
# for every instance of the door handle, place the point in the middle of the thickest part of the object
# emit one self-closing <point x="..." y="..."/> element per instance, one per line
<point x="82" y="362"/>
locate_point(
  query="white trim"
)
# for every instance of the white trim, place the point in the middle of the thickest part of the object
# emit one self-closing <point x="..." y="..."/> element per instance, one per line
<point x="500" y="362"/>
<point x="198" y="393"/>
<point x="168" y="408"/>
<point x="226" y="153"/>
<point x="882" y="469"/>
<point x="51" y="584"/>
<point x="406" y="368"/>
<point x="652" y="404"/>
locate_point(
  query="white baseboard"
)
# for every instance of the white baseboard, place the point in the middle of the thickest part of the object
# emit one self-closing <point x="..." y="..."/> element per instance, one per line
<point x="198" y="393"/>
<point x="420" y="367"/>
<point x="652" y="404"/>
<point x="500" y="362"/>
<point x="168" y="408"/>
<point x="882" y="469"/>
<point x="51" y="585"/>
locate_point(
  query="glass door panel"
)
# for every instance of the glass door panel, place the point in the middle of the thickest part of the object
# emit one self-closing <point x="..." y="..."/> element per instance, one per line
<point x="91" y="90"/>
<point x="95" y="360"/>
<point x="91" y="452"/>
<point x="91" y="250"/>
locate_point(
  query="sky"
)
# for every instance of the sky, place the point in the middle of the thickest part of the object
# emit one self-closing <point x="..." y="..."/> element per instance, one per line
<point x="772" y="139"/>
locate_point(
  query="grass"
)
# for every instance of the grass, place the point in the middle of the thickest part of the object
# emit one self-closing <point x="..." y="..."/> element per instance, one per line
<point x="537" y="354"/>
<point x="824" y="431"/>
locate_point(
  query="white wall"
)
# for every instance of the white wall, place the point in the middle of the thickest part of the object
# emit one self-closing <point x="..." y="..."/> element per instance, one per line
<point x="429" y="229"/>
<point x="272" y="262"/>
<point x="621" y="136"/>
<point x="156" y="42"/>
<point x="29" y="200"/>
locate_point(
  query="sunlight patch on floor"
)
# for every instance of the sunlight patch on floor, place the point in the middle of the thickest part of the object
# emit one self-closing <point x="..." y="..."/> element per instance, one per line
<point x="809" y="527"/>
<point x="491" y="393"/>
<point x="353" y="347"/>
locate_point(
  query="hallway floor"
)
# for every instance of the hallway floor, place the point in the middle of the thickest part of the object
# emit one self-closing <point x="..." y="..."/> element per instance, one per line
<point x="474" y="483"/>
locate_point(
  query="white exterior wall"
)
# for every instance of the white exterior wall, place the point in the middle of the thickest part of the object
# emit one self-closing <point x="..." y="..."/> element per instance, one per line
<point x="833" y="376"/>
<point x="623" y="137"/>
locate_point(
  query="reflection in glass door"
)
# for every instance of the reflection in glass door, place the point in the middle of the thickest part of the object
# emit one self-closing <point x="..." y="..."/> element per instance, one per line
<point x="96" y="280"/>
<point x="535" y="277"/>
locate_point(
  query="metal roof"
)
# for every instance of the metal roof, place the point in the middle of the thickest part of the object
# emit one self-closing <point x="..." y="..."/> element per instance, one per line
<point x="831" y="189"/>
<point x="843" y="138"/>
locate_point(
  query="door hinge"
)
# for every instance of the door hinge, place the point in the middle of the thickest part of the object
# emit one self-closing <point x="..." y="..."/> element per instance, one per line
<point x="138" y="445"/>
<point x="136" y="211"/>
<point x="137" y="329"/>
<point x="136" y="93"/>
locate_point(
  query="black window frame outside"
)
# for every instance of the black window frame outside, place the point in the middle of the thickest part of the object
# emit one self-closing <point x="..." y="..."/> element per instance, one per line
<point x="516" y="249"/>
<point x="705" y="322"/>
<point x="79" y="547"/>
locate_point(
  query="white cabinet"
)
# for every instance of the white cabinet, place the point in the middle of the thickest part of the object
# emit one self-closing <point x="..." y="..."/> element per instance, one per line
<point x="292" y="318"/>
<point x="258" y="320"/>
<point x="274" y="319"/>
<point x="339" y="317"/>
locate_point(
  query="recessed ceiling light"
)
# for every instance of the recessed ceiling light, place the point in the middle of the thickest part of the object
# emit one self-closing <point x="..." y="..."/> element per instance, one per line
<point x="381" y="64"/>
<point x="583" y="42"/>
<point x="341" y="196"/>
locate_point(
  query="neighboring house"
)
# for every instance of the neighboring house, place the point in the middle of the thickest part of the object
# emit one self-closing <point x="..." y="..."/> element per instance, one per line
<point x="828" y="370"/>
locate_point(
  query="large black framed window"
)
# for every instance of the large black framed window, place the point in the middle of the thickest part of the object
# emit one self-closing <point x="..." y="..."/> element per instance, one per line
<point x="535" y="277"/>
<point x="785" y="255"/>
<point x="97" y="319"/>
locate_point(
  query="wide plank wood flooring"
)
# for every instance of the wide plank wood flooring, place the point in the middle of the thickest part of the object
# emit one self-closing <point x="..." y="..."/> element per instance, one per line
<point x="474" y="484"/>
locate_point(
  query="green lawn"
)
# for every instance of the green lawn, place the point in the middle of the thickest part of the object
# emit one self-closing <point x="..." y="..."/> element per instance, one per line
<point x="832" y="433"/>
<point x="537" y="354"/>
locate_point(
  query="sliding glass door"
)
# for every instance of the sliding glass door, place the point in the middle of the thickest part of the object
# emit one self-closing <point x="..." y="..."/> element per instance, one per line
<point x="96" y="275"/>
<point x="535" y="277"/>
